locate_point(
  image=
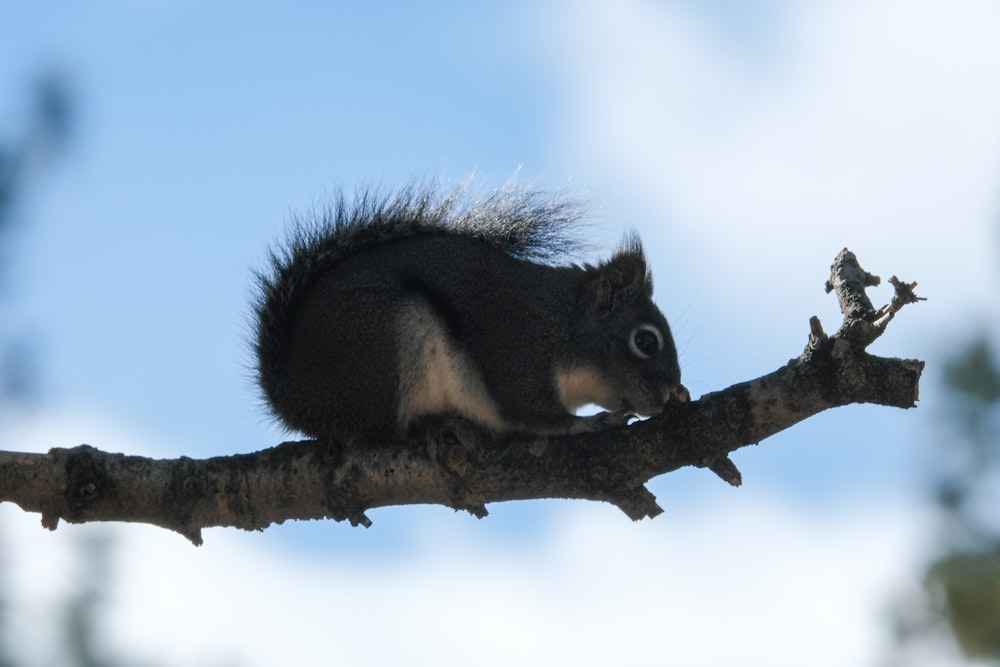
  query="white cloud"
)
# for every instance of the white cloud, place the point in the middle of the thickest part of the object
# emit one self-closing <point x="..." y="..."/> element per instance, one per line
<point x="866" y="124"/>
<point x="744" y="582"/>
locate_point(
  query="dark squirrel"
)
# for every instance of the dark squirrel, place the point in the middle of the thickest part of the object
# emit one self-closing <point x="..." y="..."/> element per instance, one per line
<point x="396" y="308"/>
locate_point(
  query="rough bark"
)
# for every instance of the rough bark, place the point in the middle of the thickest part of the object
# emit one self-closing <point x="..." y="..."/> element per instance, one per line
<point x="329" y="479"/>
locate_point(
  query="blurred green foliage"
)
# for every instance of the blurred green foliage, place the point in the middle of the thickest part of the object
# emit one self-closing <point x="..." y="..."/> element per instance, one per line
<point x="963" y="583"/>
<point x="965" y="588"/>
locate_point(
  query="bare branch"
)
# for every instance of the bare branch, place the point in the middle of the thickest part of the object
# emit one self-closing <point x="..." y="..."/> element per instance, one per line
<point x="329" y="479"/>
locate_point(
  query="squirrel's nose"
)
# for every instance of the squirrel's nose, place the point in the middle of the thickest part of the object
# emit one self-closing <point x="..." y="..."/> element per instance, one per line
<point x="678" y="394"/>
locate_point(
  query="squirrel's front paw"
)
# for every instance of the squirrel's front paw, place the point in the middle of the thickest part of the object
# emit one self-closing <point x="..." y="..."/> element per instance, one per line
<point x="602" y="421"/>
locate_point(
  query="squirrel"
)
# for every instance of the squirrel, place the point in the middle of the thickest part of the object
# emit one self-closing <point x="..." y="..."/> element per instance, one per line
<point x="396" y="308"/>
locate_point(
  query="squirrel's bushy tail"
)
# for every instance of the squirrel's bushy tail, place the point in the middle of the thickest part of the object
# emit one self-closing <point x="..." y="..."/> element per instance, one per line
<point x="523" y="222"/>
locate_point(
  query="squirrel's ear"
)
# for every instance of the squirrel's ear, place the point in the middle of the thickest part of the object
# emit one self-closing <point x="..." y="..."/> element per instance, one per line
<point x="618" y="283"/>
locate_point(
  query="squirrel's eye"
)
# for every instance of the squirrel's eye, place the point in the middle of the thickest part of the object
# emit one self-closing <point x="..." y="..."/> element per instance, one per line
<point x="646" y="341"/>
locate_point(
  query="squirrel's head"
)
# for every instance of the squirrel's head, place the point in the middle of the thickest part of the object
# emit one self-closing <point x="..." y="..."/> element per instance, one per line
<point x="633" y="351"/>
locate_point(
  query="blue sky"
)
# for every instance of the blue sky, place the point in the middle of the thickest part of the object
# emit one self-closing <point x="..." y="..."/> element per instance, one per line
<point x="747" y="142"/>
<point x="202" y="130"/>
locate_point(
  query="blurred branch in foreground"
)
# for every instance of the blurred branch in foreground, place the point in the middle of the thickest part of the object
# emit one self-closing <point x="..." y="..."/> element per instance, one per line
<point x="45" y="135"/>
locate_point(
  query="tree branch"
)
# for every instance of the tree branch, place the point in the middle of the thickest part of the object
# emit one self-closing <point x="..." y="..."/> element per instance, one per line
<point x="328" y="479"/>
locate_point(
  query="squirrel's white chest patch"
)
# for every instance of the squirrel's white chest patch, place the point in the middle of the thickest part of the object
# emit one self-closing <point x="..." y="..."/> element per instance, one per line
<point x="581" y="385"/>
<point x="436" y="377"/>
